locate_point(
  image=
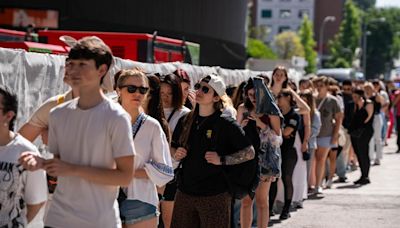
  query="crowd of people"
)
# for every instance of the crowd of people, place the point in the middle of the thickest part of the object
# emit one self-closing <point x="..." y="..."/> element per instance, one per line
<point x="161" y="154"/>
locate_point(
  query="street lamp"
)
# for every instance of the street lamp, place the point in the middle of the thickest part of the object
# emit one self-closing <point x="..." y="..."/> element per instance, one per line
<point x="365" y="35"/>
<point x="321" y="36"/>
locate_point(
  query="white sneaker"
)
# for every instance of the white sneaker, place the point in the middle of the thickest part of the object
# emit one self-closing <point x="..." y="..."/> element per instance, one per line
<point x="318" y="190"/>
<point x="329" y="183"/>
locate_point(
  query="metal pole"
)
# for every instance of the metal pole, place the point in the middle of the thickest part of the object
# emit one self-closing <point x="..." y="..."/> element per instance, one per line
<point x="321" y="38"/>
<point x="364" y="52"/>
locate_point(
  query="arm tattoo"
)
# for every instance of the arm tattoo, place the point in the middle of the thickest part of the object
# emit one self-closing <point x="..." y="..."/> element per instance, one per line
<point x="240" y="156"/>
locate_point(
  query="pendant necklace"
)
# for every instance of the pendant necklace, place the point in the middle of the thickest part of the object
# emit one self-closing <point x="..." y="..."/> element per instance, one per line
<point x="200" y="123"/>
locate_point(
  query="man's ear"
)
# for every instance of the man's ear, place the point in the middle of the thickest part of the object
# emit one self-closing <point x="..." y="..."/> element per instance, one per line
<point x="103" y="70"/>
<point x="10" y="115"/>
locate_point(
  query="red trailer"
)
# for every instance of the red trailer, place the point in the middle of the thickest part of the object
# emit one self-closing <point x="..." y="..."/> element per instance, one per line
<point x="135" y="46"/>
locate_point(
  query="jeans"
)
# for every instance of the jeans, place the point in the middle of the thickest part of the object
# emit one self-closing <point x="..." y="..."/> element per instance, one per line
<point x="375" y="144"/>
<point x="341" y="160"/>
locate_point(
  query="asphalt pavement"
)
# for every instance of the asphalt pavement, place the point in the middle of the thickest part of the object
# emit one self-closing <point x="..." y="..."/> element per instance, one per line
<point x="376" y="205"/>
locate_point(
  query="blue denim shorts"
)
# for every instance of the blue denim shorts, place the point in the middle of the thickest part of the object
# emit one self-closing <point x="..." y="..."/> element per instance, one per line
<point x="134" y="211"/>
<point x="325" y="142"/>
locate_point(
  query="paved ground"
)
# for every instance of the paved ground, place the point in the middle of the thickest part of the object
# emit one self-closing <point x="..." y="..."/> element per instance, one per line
<point x="375" y="205"/>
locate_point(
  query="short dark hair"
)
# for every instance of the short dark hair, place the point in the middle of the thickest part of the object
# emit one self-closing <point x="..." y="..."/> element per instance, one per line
<point x="92" y="47"/>
<point x="347" y="82"/>
<point x="10" y="103"/>
<point x="175" y="83"/>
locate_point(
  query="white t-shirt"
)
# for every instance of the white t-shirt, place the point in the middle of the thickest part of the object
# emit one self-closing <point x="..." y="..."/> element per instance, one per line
<point x="151" y="145"/>
<point x="40" y="117"/>
<point x="17" y="184"/>
<point x="177" y="115"/>
<point x="93" y="137"/>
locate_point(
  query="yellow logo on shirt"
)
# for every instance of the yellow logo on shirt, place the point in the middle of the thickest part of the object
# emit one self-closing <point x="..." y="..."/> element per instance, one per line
<point x="209" y="134"/>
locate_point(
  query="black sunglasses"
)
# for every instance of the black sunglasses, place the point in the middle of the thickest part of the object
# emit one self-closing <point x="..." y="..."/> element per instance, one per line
<point x="204" y="89"/>
<point x="133" y="89"/>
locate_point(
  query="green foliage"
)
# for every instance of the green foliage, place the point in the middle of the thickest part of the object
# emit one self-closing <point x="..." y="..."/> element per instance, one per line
<point x="383" y="44"/>
<point x="288" y="44"/>
<point x="306" y="36"/>
<point x="257" y="49"/>
<point x="348" y="39"/>
<point x="365" y="4"/>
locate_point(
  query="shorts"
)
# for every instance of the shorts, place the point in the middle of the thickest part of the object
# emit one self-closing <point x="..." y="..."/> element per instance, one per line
<point x="325" y="142"/>
<point x="170" y="191"/>
<point x="134" y="211"/>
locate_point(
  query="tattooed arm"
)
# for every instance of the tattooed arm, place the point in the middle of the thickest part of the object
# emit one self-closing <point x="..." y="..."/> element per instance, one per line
<point x="239" y="157"/>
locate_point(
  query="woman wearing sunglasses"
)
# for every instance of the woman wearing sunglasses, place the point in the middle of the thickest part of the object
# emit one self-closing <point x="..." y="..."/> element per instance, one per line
<point x="153" y="164"/>
<point x="171" y="96"/>
<point x="206" y="142"/>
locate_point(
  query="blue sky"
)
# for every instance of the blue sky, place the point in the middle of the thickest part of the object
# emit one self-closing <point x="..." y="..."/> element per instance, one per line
<point x="385" y="3"/>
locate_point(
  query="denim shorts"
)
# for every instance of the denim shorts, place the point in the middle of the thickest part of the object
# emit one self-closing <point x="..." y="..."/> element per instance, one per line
<point x="325" y="142"/>
<point x="134" y="211"/>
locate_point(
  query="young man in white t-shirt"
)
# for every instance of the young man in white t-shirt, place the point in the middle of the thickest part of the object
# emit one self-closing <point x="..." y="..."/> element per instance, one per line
<point x="92" y="142"/>
<point x="22" y="193"/>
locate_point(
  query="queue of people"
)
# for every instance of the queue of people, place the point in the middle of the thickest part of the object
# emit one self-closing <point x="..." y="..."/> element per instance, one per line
<point x="164" y="155"/>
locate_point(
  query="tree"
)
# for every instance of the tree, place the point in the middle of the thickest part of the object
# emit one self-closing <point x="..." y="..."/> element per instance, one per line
<point x="307" y="40"/>
<point x="344" y="44"/>
<point x="365" y="4"/>
<point x="288" y="44"/>
<point x="383" y="42"/>
<point x="257" y="49"/>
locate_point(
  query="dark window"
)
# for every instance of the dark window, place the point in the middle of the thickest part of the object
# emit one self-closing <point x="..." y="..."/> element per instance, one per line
<point x="266" y="13"/>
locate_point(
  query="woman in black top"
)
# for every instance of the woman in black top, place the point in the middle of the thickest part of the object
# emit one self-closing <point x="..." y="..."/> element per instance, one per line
<point x="206" y="143"/>
<point x="361" y="132"/>
<point x="289" y="154"/>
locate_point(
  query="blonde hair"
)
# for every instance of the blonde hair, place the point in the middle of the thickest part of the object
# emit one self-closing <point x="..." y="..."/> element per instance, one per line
<point x="123" y="75"/>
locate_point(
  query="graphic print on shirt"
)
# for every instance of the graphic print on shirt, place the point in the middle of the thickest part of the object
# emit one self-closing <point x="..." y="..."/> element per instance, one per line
<point x="11" y="202"/>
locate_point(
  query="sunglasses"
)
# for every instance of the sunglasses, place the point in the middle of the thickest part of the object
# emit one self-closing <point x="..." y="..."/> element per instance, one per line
<point x="133" y="89"/>
<point x="204" y="89"/>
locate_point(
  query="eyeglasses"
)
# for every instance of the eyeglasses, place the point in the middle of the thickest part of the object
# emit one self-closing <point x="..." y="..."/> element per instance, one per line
<point x="133" y="89"/>
<point x="204" y="89"/>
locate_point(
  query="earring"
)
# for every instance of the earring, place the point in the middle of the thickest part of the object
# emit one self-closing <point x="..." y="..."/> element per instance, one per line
<point x="5" y="124"/>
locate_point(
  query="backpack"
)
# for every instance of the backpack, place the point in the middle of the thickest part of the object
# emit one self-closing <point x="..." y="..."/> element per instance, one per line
<point x="242" y="179"/>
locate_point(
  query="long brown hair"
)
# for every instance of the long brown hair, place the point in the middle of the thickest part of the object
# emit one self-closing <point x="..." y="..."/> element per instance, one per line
<point x="310" y="100"/>
<point x="191" y="117"/>
<point x="154" y="107"/>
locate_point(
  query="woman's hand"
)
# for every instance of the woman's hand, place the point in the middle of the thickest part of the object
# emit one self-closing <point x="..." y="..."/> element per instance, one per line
<point x="180" y="153"/>
<point x="259" y="122"/>
<point x="31" y="161"/>
<point x="244" y="122"/>
<point x="213" y="158"/>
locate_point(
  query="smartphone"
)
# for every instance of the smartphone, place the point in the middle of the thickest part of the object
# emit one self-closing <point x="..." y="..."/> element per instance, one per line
<point x="246" y="115"/>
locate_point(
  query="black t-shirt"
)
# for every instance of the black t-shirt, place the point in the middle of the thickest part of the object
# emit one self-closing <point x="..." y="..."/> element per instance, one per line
<point x="212" y="133"/>
<point x="291" y="119"/>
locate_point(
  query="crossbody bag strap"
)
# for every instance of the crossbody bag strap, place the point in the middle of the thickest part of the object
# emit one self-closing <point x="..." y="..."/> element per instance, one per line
<point x="136" y="126"/>
<point x="322" y="102"/>
<point x="171" y="115"/>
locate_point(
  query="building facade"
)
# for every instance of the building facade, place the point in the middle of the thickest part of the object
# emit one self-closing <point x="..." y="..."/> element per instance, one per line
<point x="277" y="16"/>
